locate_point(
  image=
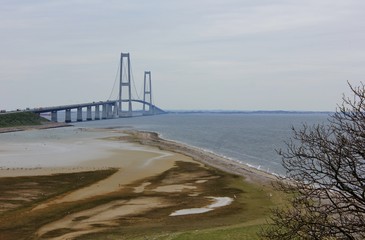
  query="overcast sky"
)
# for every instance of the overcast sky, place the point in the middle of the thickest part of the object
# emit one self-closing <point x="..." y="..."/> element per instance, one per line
<point x="203" y="54"/>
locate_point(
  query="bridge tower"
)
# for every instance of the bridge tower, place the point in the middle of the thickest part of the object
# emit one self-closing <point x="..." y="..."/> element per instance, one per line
<point x="125" y="84"/>
<point x="147" y="93"/>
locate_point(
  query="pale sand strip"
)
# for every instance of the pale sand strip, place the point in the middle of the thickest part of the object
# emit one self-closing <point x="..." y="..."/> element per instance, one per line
<point x="105" y="215"/>
<point x="218" y="202"/>
<point x="133" y="165"/>
<point x="152" y="139"/>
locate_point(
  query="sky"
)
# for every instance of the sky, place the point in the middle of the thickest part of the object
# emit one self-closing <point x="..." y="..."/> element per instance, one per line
<point x="203" y="55"/>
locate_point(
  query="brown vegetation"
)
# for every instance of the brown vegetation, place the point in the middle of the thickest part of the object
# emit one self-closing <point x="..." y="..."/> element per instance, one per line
<point x="326" y="171"/>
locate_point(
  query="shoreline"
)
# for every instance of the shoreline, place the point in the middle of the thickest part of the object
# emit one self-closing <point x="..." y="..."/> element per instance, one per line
<point x="154" y="183"/>
<point x="209" y="158"/>
<point x="34" y="127"/>
<point x="154" y="139"/>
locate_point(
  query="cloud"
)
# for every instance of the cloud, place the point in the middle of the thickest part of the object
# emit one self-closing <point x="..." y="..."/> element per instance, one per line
<point x="225" y="45"/>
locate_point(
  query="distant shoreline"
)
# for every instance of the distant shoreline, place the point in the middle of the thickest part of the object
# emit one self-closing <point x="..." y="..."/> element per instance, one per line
<point x="245" y="112"/>
<point x="31" y="127"/>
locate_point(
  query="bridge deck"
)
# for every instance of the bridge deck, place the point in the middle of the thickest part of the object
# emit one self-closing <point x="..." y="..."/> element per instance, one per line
<point x="91" y="104"/>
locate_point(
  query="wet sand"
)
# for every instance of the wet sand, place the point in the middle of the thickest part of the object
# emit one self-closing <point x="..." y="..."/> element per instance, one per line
<point x="132" y="166"/>
<point x="137" y="156"/>
<point x="105" y="155"/>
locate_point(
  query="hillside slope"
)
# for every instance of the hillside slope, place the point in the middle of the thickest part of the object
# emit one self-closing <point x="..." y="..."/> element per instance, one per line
<point x="21" y="119"/>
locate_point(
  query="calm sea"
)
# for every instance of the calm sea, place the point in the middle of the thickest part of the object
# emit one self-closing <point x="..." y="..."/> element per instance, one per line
<point x="248" y="138"/>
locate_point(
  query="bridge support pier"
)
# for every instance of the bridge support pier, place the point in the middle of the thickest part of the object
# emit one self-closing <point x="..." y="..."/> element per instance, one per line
<point x="107" y="111"/>
<point x="97" y="112"/>
<point x="104" y="111"/>
<point x="79" y="114"/>
<point x="54" y="116"/>
<point x="115" y="110"/>
<point x="68" y="116"/>
<point x="88" y="114"/>
<point x="110" y="113"/>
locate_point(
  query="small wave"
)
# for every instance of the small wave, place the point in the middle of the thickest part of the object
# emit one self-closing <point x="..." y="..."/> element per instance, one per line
<point x="257" y="167"/>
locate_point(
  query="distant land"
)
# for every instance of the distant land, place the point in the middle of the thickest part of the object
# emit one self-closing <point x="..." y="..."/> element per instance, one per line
<point x="21" y="119"/>
<point x="247" y="112"/>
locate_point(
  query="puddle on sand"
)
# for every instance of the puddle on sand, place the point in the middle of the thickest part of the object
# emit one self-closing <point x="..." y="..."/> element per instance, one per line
<point x="218" y="202"/>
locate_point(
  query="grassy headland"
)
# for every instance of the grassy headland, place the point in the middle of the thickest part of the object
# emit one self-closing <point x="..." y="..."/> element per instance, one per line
<point x="21" y="119"/>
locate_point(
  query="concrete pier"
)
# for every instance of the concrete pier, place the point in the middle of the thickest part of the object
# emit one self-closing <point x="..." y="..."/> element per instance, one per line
<point x="88" y="114"/>
<point x="104" y="111"/>
<point x="79" y="114"/>
<point x="97" y="112"/>
<point x="68" y="116"/>
<point x="115" y="110"/>
<point x="109" y="111"/>
<point x="54" y="116"/>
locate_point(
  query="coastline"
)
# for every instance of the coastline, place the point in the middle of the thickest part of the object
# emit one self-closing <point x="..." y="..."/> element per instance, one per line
<point x="34" y="127"/>
<point x="152" y="183"/>
<point x="153" y="139"/>
<point x="211" y="159"/>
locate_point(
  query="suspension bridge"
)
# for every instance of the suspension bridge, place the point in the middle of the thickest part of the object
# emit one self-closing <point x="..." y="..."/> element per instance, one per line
<point x="117" y="108"/>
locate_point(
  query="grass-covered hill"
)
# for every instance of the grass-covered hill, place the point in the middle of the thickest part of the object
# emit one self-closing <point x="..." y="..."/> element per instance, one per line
<point x="21" y="119"/>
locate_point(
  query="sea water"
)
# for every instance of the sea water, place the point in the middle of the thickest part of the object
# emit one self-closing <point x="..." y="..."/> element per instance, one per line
<point x="250" y="138"/>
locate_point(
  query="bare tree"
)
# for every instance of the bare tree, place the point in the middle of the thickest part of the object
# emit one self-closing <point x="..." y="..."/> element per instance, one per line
<point x="325" y="178"/>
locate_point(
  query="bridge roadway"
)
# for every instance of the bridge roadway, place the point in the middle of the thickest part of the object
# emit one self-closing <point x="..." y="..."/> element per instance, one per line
<point x="109" y="110"/>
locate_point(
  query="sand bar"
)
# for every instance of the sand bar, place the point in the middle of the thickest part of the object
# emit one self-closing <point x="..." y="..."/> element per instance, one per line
<point x="92" y="153"/>
<point x="136" y="155"/>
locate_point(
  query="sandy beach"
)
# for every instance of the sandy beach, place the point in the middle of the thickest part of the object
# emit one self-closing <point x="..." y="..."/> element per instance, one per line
<point x="137" y="157"/>
<point x="92" y="155"/>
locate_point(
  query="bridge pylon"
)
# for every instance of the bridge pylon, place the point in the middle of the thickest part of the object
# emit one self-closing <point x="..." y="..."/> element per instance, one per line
<point x="147" y="93"/>
<point x="125" y="83"/>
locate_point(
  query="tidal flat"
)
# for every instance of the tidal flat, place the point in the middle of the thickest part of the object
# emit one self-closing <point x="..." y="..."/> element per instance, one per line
<point x="131" y="192"/>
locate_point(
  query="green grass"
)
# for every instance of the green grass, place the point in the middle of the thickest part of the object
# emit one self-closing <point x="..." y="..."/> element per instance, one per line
<point x="20" y="119"/>
<point x="231" y="233"/>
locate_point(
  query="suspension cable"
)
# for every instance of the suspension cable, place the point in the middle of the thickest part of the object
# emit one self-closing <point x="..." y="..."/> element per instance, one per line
<point x="115" y="81"/>
<point x="134" y="84"/>
<point x="153" y="97"/>
<point x="141" y="92"/>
